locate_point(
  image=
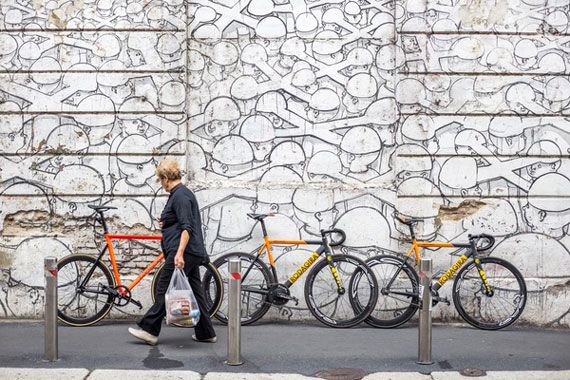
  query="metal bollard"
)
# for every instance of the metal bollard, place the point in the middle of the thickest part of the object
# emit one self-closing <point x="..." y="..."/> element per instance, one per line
<point x="234" y="313"/>
<point x="424" y="344"/>
<point x="50" y="316"/>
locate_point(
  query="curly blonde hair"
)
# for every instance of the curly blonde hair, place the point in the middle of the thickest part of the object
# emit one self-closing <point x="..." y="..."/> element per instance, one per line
<point x="168" y="169"/>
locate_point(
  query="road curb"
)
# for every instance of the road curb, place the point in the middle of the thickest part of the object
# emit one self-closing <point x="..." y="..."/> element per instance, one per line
<point x="43" y="373"/>
<point x="104" y="374"/>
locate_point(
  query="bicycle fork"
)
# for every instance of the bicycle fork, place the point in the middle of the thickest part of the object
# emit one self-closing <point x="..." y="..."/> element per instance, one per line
<point x="328" y="255"/>
<point x="488" y="291"/>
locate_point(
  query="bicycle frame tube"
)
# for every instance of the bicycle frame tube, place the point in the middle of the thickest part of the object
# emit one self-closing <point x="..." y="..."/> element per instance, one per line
<point x="450" y="272"/>
<point x="267" y="243"/>
<point x="146" y="271"/>
<point x="303" y="268"/>
<point x="88" y="276"/>
<point x="109" y="237"/>
<point x="416" y="245"/>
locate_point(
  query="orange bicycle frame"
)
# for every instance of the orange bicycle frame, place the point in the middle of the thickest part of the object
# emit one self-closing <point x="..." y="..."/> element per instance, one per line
<point x="416" y="245"/>
<point x="147" y="270"/>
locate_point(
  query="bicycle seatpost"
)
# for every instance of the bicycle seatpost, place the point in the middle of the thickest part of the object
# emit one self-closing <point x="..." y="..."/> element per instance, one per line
<point x="102" y="221"/>
<point x="412" y="234"/>
<point x="263" y="228"/>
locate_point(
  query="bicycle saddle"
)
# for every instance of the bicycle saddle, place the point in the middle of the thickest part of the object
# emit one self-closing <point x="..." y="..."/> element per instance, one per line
<point x="259" y="216"/>
<point x="407" y="221"/>
<point x="101" y="208"/>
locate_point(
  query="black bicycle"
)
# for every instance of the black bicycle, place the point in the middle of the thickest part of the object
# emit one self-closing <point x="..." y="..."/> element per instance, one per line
<point x="330" y="286"/>
<point x="488" y="292"/>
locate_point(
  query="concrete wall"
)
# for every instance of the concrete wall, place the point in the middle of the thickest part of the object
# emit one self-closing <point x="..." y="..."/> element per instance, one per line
<point x="327" y="113"/>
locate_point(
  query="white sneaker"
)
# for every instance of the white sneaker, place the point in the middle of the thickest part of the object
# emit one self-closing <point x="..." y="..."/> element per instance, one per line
<point x="207" y="340"/>
<point x="143" y="335"/>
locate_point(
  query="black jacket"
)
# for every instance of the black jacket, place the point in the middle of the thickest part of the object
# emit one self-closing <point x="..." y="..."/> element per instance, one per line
<point x="182" y="213"/>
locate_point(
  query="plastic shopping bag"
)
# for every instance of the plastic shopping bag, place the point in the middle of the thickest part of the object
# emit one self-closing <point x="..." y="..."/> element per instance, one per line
<point x="181" y="305"/>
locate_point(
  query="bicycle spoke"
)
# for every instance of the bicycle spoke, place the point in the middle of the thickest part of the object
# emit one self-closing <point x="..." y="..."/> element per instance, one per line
<point x="83" y="306"/>
<point x="333" y="305"/>
<point x="498" y="309"/>
<point x="392" y="308"/>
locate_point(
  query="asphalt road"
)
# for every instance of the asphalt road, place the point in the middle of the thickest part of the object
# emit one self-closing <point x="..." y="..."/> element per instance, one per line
<point x="290" y="347"/>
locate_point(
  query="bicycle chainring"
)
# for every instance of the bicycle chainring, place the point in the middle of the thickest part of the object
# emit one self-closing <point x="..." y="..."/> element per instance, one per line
<point x="122" y="295"/>
<point x="278" y="295"/>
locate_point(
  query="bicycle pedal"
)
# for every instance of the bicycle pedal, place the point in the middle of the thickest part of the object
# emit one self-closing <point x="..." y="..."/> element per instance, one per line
<point x="137" y="303"/>
<point x="442" y="299"/>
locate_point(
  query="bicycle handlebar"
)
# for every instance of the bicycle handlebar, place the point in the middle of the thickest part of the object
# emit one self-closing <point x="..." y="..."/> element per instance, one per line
<point x="334" y="243"/>
<point x="490" y="241"/>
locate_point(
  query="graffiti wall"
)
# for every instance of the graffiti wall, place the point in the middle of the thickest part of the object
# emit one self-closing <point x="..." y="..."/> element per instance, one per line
<point x="326" y="113"/>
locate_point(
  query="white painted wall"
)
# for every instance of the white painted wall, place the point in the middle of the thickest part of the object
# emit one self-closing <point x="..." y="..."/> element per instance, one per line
<point x="327" y="113"/>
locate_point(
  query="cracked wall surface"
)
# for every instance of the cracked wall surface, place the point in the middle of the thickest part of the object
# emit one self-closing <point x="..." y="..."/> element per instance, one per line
<point x="328" y="113"/>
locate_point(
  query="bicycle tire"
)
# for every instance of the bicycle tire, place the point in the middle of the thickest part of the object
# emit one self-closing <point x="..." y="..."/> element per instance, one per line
<point x="475" y="311"/>
<point x="210" y="278"/>
<point x="259" y="281"/>
<point x="351" y="280"/>
<point x="70" y="269"/>
<point x="393" y="310"/>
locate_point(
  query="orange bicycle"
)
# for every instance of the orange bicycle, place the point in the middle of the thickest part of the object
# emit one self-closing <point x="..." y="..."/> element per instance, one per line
<point x="87" y="289"/>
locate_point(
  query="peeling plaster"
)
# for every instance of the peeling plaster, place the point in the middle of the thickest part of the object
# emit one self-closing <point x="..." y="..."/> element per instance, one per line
<point x="464" y="209"/>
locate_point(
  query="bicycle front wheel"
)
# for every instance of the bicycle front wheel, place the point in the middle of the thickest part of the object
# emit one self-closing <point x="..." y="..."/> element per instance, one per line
<point x="83" y="306"/>
<point x="489" y="311"/>
<point x="330" y="299"/>
<point x="398" y="291"/>
<point x="255" y="282"/>
<point x="212" y="288"/>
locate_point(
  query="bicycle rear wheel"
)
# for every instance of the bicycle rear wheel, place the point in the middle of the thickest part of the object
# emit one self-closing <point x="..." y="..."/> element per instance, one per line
<point x="88" y="305"/>
<point x="332" y="306"/>
<point x="398" y="302"/>
<point x="254" y="287"/>
<point x="212" y="286"/>
<point x="495" y="311"/>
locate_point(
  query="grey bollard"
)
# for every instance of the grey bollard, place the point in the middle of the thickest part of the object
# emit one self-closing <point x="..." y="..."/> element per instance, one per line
<point x="234" y="313"/>
<point x="50" y="316"/>
<point x="424" y="344"/>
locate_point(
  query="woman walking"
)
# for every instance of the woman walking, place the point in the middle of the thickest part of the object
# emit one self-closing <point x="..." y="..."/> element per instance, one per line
<point x="183" y="246"/>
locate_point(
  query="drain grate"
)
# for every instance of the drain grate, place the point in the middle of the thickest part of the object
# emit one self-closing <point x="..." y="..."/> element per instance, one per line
<point x="473" y="372"/>
<point x="341" y="374"/>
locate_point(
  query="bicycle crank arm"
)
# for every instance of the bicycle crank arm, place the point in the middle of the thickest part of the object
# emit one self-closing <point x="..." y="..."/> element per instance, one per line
<point x="137" y="303"/>
<point x="440" y="299"/>
<point x="289" y="298"/>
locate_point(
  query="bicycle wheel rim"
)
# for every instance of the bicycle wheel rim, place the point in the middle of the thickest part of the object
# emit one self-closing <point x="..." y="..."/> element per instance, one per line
<point x="490" y="312"/>
<point x="83" y="309"/>
<point x="253" y="303"/>
<point x="213" y="287"/>
<point x="393" y="308"/>
<point x="336" y="309"/>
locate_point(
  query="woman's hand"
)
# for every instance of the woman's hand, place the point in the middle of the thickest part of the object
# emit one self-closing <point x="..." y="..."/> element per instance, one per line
<point x="179" y="260"/>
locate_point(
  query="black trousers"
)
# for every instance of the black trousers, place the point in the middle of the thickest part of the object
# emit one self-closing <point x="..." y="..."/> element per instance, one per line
<point x="152" y="320"/>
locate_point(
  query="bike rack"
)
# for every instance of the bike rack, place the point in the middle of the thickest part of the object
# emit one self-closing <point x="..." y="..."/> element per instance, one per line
<point x="234" y="313"/>
<point x="50" y="316"/>
<point x="424" y="336"/>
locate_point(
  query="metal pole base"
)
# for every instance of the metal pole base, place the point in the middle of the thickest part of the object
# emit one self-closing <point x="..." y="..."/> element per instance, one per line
<point x="424" y="336"/>
<point x="234" y="313"/>
<point x="232" y="363"/>
<point x="50" y="315"/>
